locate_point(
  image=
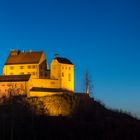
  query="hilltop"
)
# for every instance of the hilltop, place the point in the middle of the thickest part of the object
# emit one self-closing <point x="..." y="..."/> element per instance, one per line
<point x="64" y="117"/>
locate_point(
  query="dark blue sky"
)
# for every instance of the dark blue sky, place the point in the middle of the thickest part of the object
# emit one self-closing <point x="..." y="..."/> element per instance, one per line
<point x="102" y="36"/>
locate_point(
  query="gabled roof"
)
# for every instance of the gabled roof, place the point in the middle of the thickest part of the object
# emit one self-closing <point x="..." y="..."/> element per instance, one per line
<point x="63" y="60"/>
<point x="24" y="58"/>
<point x="14" y="78"/>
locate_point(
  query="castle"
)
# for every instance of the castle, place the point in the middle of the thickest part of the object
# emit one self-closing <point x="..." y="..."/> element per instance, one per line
<point x="28" y="73"/>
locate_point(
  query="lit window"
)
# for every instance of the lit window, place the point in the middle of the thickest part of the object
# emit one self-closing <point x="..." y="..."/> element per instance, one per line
<point x="11" y="73"/>
<point x="69" y="77"/>
<point x="33" y="66"/>
<point x="21" y="67"/>
<point x="33" y="73"/>
<point x="22" y="73"/>
<point x="11" y="67"/>
<point x="52" y="83"/>
<point x="62" y="74"/>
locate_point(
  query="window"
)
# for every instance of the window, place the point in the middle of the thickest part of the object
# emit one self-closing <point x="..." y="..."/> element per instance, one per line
<point x="66" y="68"/>
<point x="52" y="83"/>
<point x="69" y="68"/>
<point x="22" y="73"/>
<point x="62" y="74"/>
<point x="11" y="67"/>
<point x="33" y="73"/>
<point x="69" y="77"/>
<point x="11" y="73"/>
<point x="21" y="67"/>
<point x="34" y="66"/>
<point x="29" y="66"/>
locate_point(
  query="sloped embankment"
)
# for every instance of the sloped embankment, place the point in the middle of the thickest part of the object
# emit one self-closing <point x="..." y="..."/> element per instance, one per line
<point x="59" y="105"/>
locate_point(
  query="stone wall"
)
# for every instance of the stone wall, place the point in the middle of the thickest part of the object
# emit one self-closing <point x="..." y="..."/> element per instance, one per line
<point x="59" y="105"/>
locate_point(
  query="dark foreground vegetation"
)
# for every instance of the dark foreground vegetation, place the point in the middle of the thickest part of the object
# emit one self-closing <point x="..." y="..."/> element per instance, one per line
<point x="90" y="120"/>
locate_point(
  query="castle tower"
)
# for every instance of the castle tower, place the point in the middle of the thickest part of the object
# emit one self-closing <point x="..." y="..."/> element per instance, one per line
<point x="62" y="69"/>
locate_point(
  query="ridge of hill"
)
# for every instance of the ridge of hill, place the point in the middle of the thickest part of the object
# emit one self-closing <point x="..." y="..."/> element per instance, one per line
<point x="74" y="117"/>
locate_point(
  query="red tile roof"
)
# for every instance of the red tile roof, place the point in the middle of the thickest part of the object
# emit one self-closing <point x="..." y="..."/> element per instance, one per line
<point x="24" y="58"/>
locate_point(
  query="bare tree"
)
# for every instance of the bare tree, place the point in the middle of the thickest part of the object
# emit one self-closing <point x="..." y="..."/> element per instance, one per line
<point x="87" y="83"/>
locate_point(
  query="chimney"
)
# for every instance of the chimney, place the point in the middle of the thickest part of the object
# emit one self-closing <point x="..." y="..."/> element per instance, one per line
<point x="14" y="52"/>
<point x="31" y="51"/>
<point x="23" y="51"/>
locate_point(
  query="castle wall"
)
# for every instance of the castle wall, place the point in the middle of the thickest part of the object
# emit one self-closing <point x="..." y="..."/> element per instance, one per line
<point x="13" y="88"/>
<point x="55" y="70"/>
<point x="21" y="69"/>
<point x="67" y="77"/>
<point x="44" y="83"/>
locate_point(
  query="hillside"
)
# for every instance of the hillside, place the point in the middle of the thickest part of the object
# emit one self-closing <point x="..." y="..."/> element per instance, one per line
<point x="64" y="117"/>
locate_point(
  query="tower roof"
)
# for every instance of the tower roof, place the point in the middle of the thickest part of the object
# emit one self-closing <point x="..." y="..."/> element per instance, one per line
<point x="63" y="60"/>
<point x="17" y="57"/>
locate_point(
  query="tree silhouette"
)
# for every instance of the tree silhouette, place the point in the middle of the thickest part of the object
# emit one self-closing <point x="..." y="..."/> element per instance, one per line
<point x="87" y="83"/>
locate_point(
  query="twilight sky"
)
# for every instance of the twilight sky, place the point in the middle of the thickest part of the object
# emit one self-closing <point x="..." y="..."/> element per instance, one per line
<point x="101" y="36"/>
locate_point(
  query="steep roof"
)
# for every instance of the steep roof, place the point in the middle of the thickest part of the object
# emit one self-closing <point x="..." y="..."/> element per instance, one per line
<point x="14" y="78"/>
<point x="23" y="58"/>
<point x="63" y="60"/>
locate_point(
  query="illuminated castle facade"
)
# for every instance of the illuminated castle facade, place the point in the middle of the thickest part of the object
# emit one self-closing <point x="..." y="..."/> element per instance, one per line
<point x="28" y="73"/>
